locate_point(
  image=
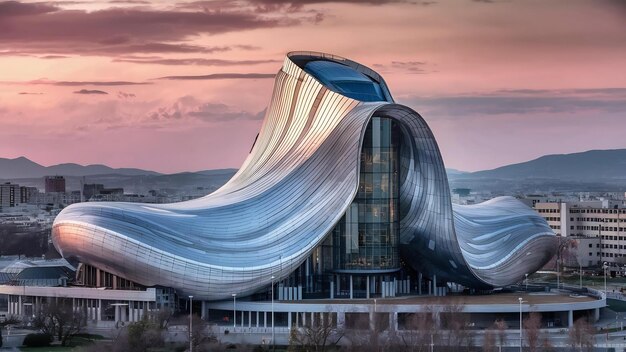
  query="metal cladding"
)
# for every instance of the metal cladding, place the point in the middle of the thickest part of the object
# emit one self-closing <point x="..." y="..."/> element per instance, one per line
<point x="297" y="182"/>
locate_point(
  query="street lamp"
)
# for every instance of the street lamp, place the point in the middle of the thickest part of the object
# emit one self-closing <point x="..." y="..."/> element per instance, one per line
<point x="580" y="272"/>
<point x="273" y="344"/>
<point x="190" y="324"/>
<point x="558" y="273"/>
<point x="432" y="343"/>
<point x="605" y="266"/>
<point x="520" y="323"/>
<point x="234" y="311"/>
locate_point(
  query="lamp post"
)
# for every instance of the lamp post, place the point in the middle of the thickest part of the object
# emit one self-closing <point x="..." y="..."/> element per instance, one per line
<point x="273" y="344"/>
<point x="432" y="343"/>
<point x="520" y="323"/>
<point x="190" y="324"/>
<point x="605" y="266"/>
<point x="558" y="273"/>
<point x="234" y="311"/>
<point x="580" y="272"/>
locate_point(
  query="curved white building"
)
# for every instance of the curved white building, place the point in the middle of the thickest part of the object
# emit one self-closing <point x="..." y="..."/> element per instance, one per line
<point x="343" y="186"/>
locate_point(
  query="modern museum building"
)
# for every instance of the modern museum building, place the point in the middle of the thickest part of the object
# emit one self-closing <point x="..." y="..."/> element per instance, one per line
<point x="343" y="200"/>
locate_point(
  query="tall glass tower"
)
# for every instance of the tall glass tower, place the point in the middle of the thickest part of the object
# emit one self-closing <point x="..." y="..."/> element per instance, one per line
<point x="365" y="242"/>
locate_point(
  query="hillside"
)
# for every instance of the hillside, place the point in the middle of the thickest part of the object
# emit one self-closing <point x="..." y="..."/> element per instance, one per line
<point x="593" y="165"/>
<point x="24" y="168"/>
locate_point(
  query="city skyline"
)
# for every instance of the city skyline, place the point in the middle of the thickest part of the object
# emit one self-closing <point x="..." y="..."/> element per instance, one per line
<point x="138" y="84"/>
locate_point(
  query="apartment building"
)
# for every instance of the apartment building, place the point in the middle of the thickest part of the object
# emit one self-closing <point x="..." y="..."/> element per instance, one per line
<point x="599" y="228"/>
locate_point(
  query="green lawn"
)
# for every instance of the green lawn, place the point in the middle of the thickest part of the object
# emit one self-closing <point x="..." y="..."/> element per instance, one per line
<point x="588" y="280"/>
<point x="616" y="305"/>
<point x="77" y="341"/>
<point x="47" y="349"/>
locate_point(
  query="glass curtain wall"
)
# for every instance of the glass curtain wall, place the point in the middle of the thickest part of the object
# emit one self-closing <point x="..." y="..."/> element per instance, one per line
<point x="366" y="239"/>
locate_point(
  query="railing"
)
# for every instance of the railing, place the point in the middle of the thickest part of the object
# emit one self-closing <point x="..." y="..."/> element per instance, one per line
<point x="251" y="330"/>
<point x="616" y="295"/>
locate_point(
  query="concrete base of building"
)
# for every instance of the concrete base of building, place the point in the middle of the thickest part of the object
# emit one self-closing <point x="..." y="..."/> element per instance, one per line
<point x="559" y="308"/>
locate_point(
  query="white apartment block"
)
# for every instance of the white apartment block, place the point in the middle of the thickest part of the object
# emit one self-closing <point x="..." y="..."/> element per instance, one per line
<point x="599" y="228"/>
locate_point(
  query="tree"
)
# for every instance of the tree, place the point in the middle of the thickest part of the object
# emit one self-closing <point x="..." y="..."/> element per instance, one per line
<point x="581" y="335"/>
<point x="422" y="331"/>
<point x="565" y="253"/>
<point x="315" y="336"/>
<point x="363" y="336"/>
<point x="161" y="316"/>
<point x="8" y="321"/>
<point x="59" y="318"/>
<point x="144" y="335"/>
<point x="202" y="334"/>
<point x="546" y="345"/>
<point x="500" y="326"/>
<point x="489" y="341"/>
<point x="532" y="328"/>
<point x="456" y="324"/>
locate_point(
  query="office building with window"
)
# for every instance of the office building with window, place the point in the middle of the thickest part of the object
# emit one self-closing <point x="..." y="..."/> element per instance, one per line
<point x="597" y="226"/>
<point x="54" y="184"/>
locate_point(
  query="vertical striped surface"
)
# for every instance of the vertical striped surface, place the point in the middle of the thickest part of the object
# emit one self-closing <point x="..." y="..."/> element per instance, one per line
<point x="297" y="182"/>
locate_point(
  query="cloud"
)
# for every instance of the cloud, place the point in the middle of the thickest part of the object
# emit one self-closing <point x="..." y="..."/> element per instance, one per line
<point x="30" y="93"/>
<point x="90" y="91"/>
<point x="52" y="57"/>
<point x="195" y="61"/>
<point x="247" y="47"/>
<point x="153" y="47"/>
<point x="116" y="46"/>
<point x="42" y="28"/>
<point x="523" y="102"/>
<point x="414" y="67"/>
<point x="13" y="53"/>
<point x="290" y="7"/>
<point x="222" y="112"/>
<point x="124" y="95"/>
<point x="130" y="2"/>
<point x="18" y="9"/>
<point x="217" y="76"/>
<point x="300" y="3"/>
<point x="189" y="107"/>
<point x="610" y="91"/>
<point x="80" y="83"/>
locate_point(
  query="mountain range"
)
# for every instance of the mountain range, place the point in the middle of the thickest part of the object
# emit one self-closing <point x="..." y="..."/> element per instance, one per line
<point x="24" y="168"/>
<point x="592" y="165"/>
<point x="598" y="166"/>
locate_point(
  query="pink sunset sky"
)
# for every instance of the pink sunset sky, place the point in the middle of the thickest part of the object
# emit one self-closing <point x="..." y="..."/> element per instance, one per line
<point x="182" y="86"/>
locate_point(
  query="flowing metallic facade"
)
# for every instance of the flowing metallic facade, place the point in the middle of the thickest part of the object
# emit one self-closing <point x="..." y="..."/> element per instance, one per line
<point x="297" y="183"/>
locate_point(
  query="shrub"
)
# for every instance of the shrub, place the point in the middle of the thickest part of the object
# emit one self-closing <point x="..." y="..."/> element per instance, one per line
<point x="37" y="340"/>
<point x="180" y="348"/>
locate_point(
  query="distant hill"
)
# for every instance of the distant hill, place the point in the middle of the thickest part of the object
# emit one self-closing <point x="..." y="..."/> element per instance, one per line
<point x="216" y="172"/>
<point x="24" y="168"/>
<point x="594" y="168"/>
<point x="593" y="165"/>
<point x="455" y="172"/>
<point x="28" y="173"/>
<point x="183" y="183"/>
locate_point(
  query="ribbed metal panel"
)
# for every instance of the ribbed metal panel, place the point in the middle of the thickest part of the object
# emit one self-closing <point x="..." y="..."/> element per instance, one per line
<point x="295" y="185"/>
